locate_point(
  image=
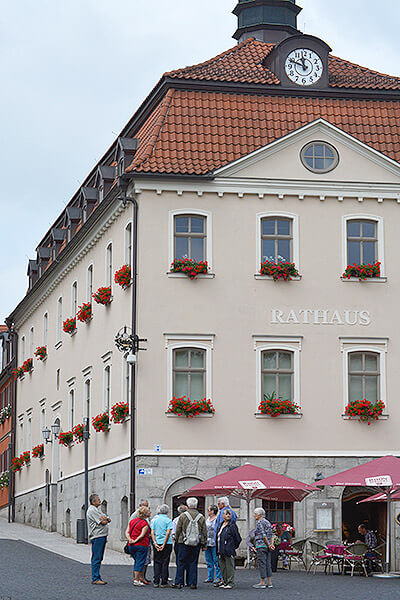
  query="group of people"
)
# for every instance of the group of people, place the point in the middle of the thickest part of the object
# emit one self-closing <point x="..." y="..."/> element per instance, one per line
<point x="188" y="534"/>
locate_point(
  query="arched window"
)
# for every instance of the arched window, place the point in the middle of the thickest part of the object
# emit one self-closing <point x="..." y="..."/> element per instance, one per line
<point x="364" y="376"/>
<point x="31" y="340"/>
<point x="190" y="233"/>
<point x="74" y="298"/>
<point x="89" y="283"/>
<point x="22" y="350"/>
<point x="189" y="373"/>
<point x="71" y="408"/>
<point x="86" y="408"/>
<point x="128" y="244"/>
<point x="276" y="239"/>
<point x="277" y="371"/>
<point x="107" y="387"/>
<point x="45" y="328"/>
<point x="59" y="318"/>
<point x="109" y="264"/>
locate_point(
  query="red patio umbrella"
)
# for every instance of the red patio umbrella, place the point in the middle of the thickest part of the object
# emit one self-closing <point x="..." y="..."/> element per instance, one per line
<point x="249" y="482"/>
<point x="381" y="497"/>
<point x="382" y="474"/>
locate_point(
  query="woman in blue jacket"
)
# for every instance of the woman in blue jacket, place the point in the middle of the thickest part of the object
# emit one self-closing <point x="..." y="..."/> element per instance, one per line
<point x="227" y="540"/>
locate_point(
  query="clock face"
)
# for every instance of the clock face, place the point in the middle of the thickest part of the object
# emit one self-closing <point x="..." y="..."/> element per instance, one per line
<point x="304" y="67"/>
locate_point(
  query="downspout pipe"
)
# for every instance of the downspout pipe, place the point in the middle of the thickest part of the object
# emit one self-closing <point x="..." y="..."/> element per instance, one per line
<point x="11" y="475"/>
<point x="123" y="183"/>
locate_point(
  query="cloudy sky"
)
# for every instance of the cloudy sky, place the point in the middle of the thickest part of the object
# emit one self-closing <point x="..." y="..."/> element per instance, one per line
<point x="74" y="71"/>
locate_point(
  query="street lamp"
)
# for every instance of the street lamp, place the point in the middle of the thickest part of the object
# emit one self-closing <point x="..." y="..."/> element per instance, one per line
<point x="55" y="429"/>
<point x="46" y="435"/>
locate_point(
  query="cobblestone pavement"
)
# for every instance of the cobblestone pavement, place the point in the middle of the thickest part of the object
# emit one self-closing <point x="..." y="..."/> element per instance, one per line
<point x="28" y="572"/>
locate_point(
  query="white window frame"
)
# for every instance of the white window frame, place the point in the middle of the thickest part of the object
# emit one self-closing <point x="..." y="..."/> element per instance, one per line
<point x="59" y="318"/>
<point x="89" y="282"/>
<point x="295" y="235"/>
<point x="28" y="430"/>
<point x="109" y="264"/>
<point x="87" y="378"/>
<point x="22" y="351"/>
<point x="71" y="407"/>
<point x="20" y="435"/>
<point x="45" y="328"/>
<point x="74" y="298"/>
<point x="176" y="341"/>
<point x="127" y="251"/>
<point x="171" y="236"/>
<point x="42" y="418"/>
<point x="126" y="380"/>
<point x="107" y="364"/>
<point x="31" y="340"/>
<point x="378" y="346"/>
<point x="380" y="234"/>
<point x="263" y="343"/>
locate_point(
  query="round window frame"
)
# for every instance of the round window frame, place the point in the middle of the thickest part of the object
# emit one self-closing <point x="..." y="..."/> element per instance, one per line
<point x="336" y="159"/>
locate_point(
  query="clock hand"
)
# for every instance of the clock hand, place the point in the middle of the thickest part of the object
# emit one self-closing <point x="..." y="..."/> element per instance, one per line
<point x="296" y="62"/>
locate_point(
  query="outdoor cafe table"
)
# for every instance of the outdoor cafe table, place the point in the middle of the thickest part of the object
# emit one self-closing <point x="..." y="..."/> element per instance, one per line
<point x="337" y="552"/>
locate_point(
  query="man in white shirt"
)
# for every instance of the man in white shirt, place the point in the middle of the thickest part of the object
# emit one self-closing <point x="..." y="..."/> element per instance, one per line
<point x="97" y="524"/>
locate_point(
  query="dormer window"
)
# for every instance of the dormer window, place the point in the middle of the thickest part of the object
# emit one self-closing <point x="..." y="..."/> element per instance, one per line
<point x="89" y="201"/>
<point x="33" y="273"/>
<point x="73" y="216"/>
<point x="125" y="151"/>
<point x="44" y="253"/>
<point x="104" y="179"/>
<point x="58" y="237"/>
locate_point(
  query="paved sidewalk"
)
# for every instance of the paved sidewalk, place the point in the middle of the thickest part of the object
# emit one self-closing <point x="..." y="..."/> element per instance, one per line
<point x="54" y="542"/>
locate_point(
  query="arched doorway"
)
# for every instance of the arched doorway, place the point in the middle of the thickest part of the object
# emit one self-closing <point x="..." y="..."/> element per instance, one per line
<point x="373" y="514"/>
<point x="173" y="495"/>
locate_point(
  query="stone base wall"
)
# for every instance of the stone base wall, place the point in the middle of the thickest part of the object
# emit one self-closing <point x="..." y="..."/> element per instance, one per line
<point x="166" y="477"/>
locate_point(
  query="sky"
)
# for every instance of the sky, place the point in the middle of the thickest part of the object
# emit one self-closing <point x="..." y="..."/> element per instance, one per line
<point x="74" y="71"/>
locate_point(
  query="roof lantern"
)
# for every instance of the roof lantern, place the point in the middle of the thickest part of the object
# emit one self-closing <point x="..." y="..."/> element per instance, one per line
<point x="266" y="20"/>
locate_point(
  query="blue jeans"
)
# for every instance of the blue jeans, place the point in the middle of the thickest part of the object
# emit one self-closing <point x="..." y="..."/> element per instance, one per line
<point x="98" y="547"/>
<point x="188" y="558"/>
<point x="212" y="563"/>
<point x="139" y="554"/>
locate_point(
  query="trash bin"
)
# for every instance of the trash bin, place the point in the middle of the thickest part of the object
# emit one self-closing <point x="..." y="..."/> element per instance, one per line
<point x="81" y="531"/>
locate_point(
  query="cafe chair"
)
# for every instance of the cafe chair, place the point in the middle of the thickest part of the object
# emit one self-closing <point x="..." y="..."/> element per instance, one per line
<point x="379" y="561"/>
<point x="319" y="556"/>
<point x="296" y="553"/>
<point x="354" y="556"/>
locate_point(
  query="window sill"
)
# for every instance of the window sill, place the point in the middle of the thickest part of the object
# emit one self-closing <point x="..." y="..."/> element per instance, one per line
<point x="201" y="416"/>
<point x="184" y="276"/>
<point x="368" y="280"/>
<point x="381" y="418"/>
<point x="268" y="278"/>
<point x="58" y="345"/>
<point x="261" y="416"/>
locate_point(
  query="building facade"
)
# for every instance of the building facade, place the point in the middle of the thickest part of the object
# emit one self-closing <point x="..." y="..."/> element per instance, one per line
<point x="275" y="153"/>
<point x="6" y="414"/>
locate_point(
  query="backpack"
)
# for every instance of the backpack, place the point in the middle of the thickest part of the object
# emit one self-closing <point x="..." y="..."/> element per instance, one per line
<point x="191" y="536"/>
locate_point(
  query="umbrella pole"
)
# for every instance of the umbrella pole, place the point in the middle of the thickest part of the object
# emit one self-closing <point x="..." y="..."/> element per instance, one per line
<point x="248" y="529"/>
<point x="388" y="525"/>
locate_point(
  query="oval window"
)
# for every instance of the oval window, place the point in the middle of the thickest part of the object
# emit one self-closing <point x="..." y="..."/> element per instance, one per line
<point x="319" y="157"/>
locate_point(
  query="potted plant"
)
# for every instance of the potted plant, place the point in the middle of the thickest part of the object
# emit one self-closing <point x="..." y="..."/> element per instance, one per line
<point x="26" y="457"/>
<point x="4" y="480"/>
<point x="41" y="352"/>
<point x="65" y="438"/>
<point x="101" y="422"/>
<point x="364" y="410"/>
<point x="119" y="412"/>
<point x="362" y="272"/>
<point x="16" y="464"/>
<point x="186" y="408"/>
<point x="124" y="276"/>
<point x="189" y="267"/>
<point x="77" y="432"/>
<point x="103" y="296"/>
<point x="5" y="414"/>
<point x="38" y="451"/>
<point x="18" y="373"/>
<point x="69" y="325"/>
<point x="84" y="313"/>
<point x="27" y="366"/>
<point x="280" y="270"/>
<point x="274" y="407"/>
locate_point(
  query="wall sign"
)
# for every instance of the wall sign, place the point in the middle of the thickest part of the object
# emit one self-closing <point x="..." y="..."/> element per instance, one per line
<point x="318" y="316"/>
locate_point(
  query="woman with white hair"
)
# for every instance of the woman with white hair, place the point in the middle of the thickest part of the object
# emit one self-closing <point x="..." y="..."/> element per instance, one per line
<point x="161" y="529"/>
<point x="228" y="540"/>
<point x="263" y="535"/>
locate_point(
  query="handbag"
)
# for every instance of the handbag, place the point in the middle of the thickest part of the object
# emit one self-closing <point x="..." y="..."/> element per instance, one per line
<point x="126" y="549"/>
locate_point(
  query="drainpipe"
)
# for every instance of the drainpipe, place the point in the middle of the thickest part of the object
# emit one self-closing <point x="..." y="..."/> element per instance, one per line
<point x="123" y="183"/>
<point x="11" y="445"/>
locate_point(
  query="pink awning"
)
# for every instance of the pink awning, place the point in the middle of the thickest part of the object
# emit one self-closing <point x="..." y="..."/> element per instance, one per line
<point x="383" y="472"/>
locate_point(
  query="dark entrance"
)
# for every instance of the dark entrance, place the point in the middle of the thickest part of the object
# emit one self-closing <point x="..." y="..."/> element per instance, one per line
<point x="373" y="514"/>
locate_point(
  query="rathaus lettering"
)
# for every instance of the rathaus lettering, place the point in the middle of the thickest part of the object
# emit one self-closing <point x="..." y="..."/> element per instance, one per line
<point x="317" y="316"/>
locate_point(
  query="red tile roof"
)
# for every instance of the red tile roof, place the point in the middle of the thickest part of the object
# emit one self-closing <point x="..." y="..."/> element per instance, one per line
<point x="194" y="132"/>
<point x="3" y="328"/>
<point x="243" y="63"/>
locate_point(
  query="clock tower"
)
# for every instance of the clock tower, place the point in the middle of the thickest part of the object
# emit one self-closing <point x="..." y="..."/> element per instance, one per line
<point x="266" y="20"/>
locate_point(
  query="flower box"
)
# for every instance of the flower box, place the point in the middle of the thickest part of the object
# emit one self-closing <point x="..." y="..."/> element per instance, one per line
<point x="41" y="352"/>
<point x="84" y="313"/>
<point x="38" y="451"/>
<point x="275" y="407"/>
<point x="103" y="296"/>
<point x="16" y="464"/>
<point x="4" y="480"/>
<point x="27" y="366"/>
<point x="186" y="408"/>
<point x="363" y="272"/>
<point x="18" y="373"/>
<point x="189" y="267"/>
<point x="5" y="414"/>
<point x="77" y="432"/>
<point x="279" y="271"/>
<point x="120" y="412"/>
<point x="124" y="276"/>
<point x="69" y="325"/>
<point x="364" y="410"/>
<point x="101" y="422"/>
<point x="66" y="438"/>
